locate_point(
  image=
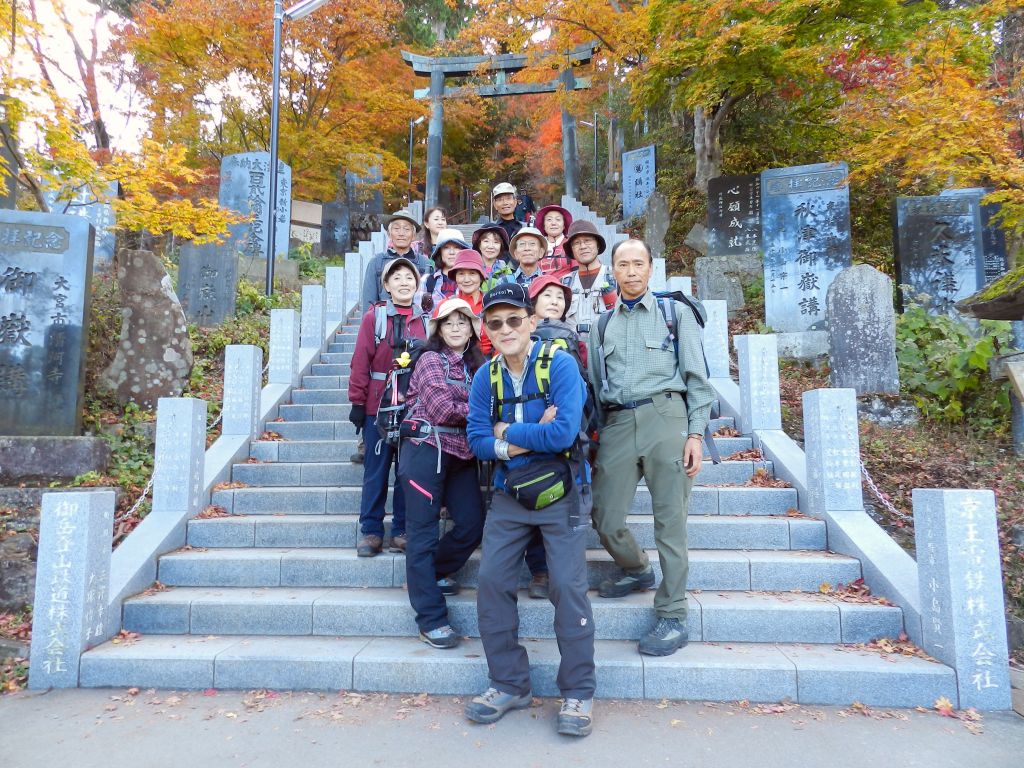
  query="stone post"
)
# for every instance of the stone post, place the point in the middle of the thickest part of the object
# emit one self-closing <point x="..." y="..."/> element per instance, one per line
<point x="334" y="294"/>
<point x="758" y="357"/>
<point x="683" y="284"/>
<point x="963" y="616"/>
<point x="353" y="282"/>
<point x="435" y="132"/>
<point x="658" y="279"/>
<point x="284" y="347"/>
<point x="243" y="382"/>
<point x="716" y="339"/>
<point x="178" y="460"/>
<point x="570" y="161"/>
<point x="312" y="326"/>
<point x="72" y="584"/>
<point x="832" y="447"/>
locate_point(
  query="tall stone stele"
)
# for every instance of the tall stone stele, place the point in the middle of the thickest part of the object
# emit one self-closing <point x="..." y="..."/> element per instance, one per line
<point x="862" y="324"/>
<point x="154" y="355"/>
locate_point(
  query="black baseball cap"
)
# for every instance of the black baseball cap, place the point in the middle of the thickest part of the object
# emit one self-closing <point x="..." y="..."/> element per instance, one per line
<point x="512" y="294"/>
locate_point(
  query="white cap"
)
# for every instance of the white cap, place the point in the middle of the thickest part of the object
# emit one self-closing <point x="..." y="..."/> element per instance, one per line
<point x="503" y="189"/>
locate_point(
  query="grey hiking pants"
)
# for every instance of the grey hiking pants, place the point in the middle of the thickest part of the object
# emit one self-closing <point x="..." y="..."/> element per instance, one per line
<point x="507" y="532"/>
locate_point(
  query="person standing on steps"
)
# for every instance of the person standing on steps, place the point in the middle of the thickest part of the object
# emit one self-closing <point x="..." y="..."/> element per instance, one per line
<point x="503" y="199"/>
<point x="527" y="248"/>
<point x="402" y="228"/>
<point x="653" y="400"/>
<point x="491" y="242"/>
<point x="526" y="209"/>
<point x="437" y="468"/>
<point x="434" y="220"/>
<point x="526" y="417"/>
<point x="553" y="221"/>
<point x="387" y="330"/>
<point x="591" y="283"/>
<point x="438" y="286"/>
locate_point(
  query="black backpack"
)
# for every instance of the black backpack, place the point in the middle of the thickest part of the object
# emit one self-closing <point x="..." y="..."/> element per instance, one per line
<point x="392" y="408"/>
<point x="666" y="303"/>
<point x="554" y="336"/>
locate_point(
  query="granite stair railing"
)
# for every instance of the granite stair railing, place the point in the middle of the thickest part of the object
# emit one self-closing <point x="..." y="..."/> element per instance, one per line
<point x="268" y="592"/>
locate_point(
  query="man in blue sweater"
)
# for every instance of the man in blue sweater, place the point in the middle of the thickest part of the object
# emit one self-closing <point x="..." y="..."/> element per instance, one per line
<point x="525" y="415"/>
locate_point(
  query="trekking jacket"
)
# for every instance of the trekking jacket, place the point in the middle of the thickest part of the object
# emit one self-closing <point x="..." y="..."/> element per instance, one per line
<point x="372" y="361"/>
<point x="439" y="395"/>
<point x="567" y="391"/>
<point x="373" y="291"/>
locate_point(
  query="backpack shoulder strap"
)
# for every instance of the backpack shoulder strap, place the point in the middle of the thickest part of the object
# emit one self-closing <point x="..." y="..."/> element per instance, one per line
<point x="497" y="389"/>
<point x="602" y="369"/>
<point x="542" y="368"/>
<point x="380" y="323"/>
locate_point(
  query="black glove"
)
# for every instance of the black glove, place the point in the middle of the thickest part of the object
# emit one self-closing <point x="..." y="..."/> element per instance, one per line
<point x="357" y="415"/>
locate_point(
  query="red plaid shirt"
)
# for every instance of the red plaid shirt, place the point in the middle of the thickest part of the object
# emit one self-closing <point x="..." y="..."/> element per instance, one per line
<point x="442" y="404"/>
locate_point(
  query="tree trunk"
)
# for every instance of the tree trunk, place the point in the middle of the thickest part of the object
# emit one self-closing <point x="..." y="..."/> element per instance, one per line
<point x="707" y="148"/>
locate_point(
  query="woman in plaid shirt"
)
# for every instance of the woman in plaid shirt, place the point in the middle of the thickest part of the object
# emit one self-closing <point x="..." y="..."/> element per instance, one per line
<point x="437" y="469"/>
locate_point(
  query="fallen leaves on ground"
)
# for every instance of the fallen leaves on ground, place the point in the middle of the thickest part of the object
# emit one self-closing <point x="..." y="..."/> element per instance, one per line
<point x="876" y="714"/>
<point x="887" y="646"/>
<point x="17" y="626"/>
<point x="854" y="592"/>
<point x="158" y="586"/>
<point x="13" y="674"/>
<point x="124" y="637"/>
<point x="726" y="431"/>
<point x="750" y="454"/>
<point x="274" y="437"/>
<point x="969" y="717"/>
<point x="761" y="479"/>
<point x="212" y="511"/>
<point x="229" y="486"/>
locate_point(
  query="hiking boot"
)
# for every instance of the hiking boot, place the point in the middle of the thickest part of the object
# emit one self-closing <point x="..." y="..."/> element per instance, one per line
<point x="626" y="583"/>
<point x="369" y="546"/>
<point x="359" y="455"/>
<point x="538" y="588"/>
<point x="448" y="586"/>
<point x="442" y="637"/>
<point x="492" y="704"/>
<point x="576" y="717"/>
<point x="398" y="542"/>
<point x="667" y="637"/>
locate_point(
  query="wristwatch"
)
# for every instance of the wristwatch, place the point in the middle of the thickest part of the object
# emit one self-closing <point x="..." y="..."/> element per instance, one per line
<point x="504" y="434"/>
<point x="694" y="434"/>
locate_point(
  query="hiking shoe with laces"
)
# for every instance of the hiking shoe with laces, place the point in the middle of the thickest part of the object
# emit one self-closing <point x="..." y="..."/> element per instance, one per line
<point x="442" y="637"/>
<point x="626" y="583"/>
<point x="491" y="705"/>
<point x="538" y="588"/>
<point x="576" y="717"/>
<point x="667" y="637"/>
<point x="448" y="586"/>
<point x="369" y="546"/>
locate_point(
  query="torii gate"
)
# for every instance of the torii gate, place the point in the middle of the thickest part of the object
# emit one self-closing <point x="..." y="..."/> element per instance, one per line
<point x="440" y="68"/>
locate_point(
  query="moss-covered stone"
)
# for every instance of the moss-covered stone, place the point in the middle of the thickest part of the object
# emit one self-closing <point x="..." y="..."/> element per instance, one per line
<point x="1002" y="299"/>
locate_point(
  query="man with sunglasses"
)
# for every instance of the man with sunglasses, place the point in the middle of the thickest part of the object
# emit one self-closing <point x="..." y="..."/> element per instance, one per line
<point x="527" y="418"/>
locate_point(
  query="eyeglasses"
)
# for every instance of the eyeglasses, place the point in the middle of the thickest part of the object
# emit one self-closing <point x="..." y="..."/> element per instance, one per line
<point x="455" y="322"/>
<point x="512" y="321"/>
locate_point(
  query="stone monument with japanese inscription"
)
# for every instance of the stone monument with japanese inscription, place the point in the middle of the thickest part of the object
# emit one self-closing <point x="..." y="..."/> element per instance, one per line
<point x="45" y="271"/>
<point x="85" y="203"/>
<point x="805" y="228"/>
<point x="363" y="191"/>
<point x="862" y="332"/>
<point x="334" y="230"/>
<point x="208" y="282"/>
<point x="638" y="180"/>
<point x="734" y="216"/>
<point x="245" y="187"/>
<point x="995" y="261"/>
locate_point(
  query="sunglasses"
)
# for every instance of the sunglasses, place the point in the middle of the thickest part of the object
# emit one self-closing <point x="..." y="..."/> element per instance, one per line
<point x="512" y="321"/>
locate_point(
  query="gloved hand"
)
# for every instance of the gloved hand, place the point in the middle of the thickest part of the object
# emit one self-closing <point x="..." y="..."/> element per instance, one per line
<point x="357" y="415"/>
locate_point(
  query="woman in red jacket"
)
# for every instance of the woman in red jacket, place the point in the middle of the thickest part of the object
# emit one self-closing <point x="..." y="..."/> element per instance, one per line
<point x="387" y="330"/>
<point x="437" y="468"/>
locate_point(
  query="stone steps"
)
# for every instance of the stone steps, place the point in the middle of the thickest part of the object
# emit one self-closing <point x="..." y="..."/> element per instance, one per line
<point x="325" y="500"/>
<point x="315" y="441"/>
<point x="336" y="358"/>
<point x="756" y="672"/>
<point x="302" y="412"/>
<point x="716" y="616"/>
<point x="704" y="532"/>
<point x="305" y="470"/>
<point x="329" y="383"/>
<point x="331" y="369"/>
<point x="342" y="346"/>
<point x="710" y="569"/>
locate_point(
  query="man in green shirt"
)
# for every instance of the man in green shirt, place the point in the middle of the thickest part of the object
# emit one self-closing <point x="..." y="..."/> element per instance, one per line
<point x="653" y="400"/>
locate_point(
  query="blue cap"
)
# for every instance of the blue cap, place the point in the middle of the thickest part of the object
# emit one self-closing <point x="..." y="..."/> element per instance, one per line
<point x="512" y="294"/>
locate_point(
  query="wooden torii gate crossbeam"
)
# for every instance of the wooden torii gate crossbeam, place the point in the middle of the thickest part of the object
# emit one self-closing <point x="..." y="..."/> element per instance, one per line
<point x="438" y="69"/>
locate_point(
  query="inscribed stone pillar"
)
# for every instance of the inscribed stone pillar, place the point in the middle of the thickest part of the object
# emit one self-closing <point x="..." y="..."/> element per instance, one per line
<point x="72" y="584"/>
<point x="208" y="282"/>
<point x="334" y="294"/>
<point x="243" y="382"/>
<point x="716" y="339"/>
<point x="284" y="347"/>
<point x="758" y="357"/>
<point x="964" y="623"/>
<point x="658" y="279"/>
<point x="832" y="446"/>
<point x="312" y="327"/>
<point x="684" y="284"/>
<point x="178" y="460"/>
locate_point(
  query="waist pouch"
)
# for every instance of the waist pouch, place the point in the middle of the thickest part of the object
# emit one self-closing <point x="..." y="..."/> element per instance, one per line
<point x="540" y="484"/>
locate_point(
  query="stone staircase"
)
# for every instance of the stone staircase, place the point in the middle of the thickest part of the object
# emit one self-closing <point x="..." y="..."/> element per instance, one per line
<point x="269" y="593"/>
